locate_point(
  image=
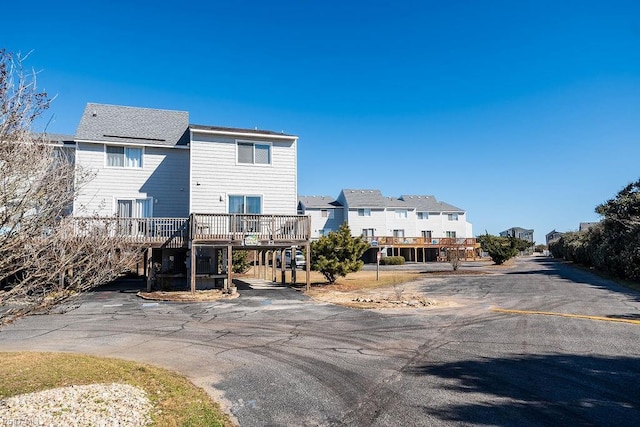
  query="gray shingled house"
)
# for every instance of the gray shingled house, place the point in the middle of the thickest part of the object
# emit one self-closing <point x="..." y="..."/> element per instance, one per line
<point x="181" y="189"/>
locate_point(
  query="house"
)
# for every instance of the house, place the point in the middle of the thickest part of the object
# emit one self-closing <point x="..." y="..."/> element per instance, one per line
<point x="138" y="159"/>
<point x="584" y="226"/>
<point x="183" y="188"/>
<point x="553" y="236"/>
<point x="326" y="213"/>
<point x="519" y="233"/>
<point x="418" y="227"/>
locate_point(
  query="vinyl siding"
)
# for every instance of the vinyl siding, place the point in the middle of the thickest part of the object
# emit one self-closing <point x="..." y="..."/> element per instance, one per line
<point x="377" y="221"/>
<point x="407" y="224"/>
<point x="318" y="222"/>
<point x="164" y="176"/>
<point x="216" y="175"/>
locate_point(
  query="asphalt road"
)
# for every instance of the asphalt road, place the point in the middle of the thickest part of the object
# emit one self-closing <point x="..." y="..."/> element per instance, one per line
<point x="276" y="358"/>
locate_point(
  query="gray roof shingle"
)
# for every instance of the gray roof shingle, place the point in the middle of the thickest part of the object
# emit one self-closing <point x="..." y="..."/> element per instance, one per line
<point x="364" y="198"/>
<point x="375" y="199"/>
<point x="318" y="202"/>
<point x="241" y="130"/>
<point x="133" y="125"/>
<point x="426" y="203"/>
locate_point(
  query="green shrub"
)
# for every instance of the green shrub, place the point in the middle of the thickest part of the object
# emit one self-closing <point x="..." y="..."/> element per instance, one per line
<point x="392" y="260"/>
<point x="499" y="248"/>
<point x="338" y="253"/>
<point x="240" y="263"/>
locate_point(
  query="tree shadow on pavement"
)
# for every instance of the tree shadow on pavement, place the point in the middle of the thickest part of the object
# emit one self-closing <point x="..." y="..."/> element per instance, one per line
<point x="538" y="390"/>
<point x="567" y="271"/>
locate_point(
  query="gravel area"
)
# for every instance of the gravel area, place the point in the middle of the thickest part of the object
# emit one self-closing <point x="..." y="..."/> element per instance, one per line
<point x="100" y="405"/>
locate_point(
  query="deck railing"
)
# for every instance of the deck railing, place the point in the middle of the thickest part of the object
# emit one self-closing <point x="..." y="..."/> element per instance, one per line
<point x="423" y="241"/>
<point x="176" y="232"/>
<point x="251" y="229"/>
<point x="172" y="232"/>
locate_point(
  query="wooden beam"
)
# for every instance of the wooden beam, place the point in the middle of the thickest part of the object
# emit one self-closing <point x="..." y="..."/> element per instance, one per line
<point x="148" y="266"/>
<point x="193" y="268"/>
<point x="229" y="268"/>
<point x="308" y="256"/>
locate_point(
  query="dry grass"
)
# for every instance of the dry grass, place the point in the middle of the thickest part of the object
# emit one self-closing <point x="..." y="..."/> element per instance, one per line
<point x="362" y="280"/>
<point x="176" y="401"/>
<point x="187" y="296"/>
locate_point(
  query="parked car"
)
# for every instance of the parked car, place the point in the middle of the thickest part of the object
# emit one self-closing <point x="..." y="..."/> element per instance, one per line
<point x="301" y="261"/>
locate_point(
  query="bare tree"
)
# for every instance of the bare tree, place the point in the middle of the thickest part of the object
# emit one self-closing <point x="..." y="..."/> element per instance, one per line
<point x="45" y="255"/>
<point x="453" y="253"/>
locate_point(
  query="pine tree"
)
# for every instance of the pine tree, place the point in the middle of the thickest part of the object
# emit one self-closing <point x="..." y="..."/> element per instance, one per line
<point x="338" y="253"/>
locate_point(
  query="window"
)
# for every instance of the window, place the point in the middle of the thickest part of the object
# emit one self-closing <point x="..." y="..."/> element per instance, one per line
<point x="451" y="234"/>
<point x="326" y="213"/>
<point x="452" y="217"/>
<point x="364" y="212"/>
<point x="398" y="233"/>
<point x="426" y="234"/>
<point x="245" y="204"/>
<point x="123" y="157"/>
<point x="134" y="208"/>
<point x="254" y="153"/>
<point x="401" y="214"/>
<point x="423" y="215"/>
<point x="250" y="205"/>
<point x="367" y="232"/>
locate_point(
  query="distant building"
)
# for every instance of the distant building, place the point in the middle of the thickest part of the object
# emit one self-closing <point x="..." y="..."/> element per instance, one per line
<point x="418" y="227"/>
<point x="519" y="232"/>
<point x="584" y="226"/>
<point x="325" y="212"/>
<point x="553" y="236"/>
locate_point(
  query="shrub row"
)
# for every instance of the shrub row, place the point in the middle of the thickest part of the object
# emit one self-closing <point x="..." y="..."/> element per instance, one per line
<point x="392" y="260"/>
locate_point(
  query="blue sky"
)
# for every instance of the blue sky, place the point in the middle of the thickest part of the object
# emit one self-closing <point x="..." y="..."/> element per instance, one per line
<point x="522" y="113"/>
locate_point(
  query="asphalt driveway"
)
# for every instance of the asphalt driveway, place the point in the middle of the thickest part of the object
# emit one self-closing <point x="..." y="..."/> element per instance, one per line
<point x="564" y="349"/>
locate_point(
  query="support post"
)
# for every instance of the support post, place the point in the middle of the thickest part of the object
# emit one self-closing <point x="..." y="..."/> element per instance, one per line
<point x="308" y="266"/>
<point x="283" y="268"/>
<point x="274" y="271"/>
<point x="193" y="268"/>
<point x="148" y="267"/>
<point x="229" y="268"/>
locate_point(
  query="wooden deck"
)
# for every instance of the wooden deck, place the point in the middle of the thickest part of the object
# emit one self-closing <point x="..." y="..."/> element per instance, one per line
<point x="223" y="229"/>
<point x="436" y="242"/>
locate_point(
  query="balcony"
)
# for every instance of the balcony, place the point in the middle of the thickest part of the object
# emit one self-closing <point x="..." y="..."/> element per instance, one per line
<point x="233" y="229"/>
<point x="435" y="242"/>
<point x="250" y="230"/>
<point x="158" y="232"/>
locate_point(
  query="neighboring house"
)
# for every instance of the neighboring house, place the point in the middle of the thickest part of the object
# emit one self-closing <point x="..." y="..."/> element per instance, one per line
<point x="325" y="212"/>
<point x="553" y="236"/>
<point x="584" y="226"/>
<point x="418" y="227"/>
<point x="139" y="161"/>
<point x="242" y="171"/>
<point x="520" y="233"/>
<point x="63" y="148"/>
<point x="183" y="186"/>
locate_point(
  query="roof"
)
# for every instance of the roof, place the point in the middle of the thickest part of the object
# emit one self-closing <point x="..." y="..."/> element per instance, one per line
<point x="133" y="125"/>
<point x="58" y="138"/>
<point x="318" y="202"/>
<point x="517" y="229"/>
<point x="427" y="203"/>
<point x="229" y="130"/>
<point x="364" y="198"/>
<point x="375" y="199"/>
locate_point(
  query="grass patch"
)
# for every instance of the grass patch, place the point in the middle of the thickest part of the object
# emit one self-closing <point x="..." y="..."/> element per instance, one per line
<point x="176" y="401"/>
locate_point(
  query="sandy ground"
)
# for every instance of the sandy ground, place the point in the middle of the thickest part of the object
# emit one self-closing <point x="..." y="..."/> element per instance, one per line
<point x="402" y="295"/>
